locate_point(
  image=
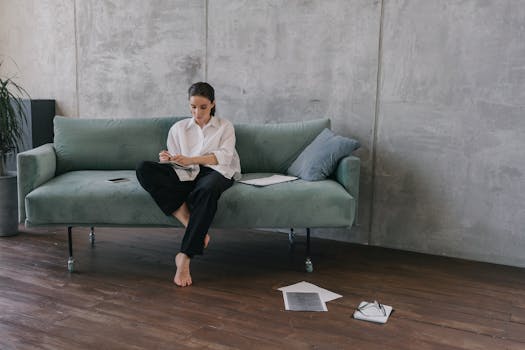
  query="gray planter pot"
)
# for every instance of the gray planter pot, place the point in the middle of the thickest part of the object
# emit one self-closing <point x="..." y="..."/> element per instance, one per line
<point x="8" y="205"/>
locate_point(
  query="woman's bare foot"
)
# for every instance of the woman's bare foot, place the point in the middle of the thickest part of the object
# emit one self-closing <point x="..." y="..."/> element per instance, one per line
<point x="182" y="276"/>
<point x="206" y="240"/>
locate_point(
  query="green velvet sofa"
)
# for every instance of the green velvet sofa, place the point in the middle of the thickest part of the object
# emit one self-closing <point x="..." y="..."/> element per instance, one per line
<point x="66" y="182"/>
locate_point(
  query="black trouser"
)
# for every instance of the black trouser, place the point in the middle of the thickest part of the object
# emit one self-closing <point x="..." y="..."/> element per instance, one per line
<point x="201" y="196"/>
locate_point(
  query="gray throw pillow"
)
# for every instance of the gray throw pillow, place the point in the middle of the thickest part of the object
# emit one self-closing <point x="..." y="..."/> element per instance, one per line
<point x="319" y="159"/>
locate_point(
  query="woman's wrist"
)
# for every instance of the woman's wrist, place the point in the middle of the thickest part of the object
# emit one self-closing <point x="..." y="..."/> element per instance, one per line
<point x="207" y="159"/>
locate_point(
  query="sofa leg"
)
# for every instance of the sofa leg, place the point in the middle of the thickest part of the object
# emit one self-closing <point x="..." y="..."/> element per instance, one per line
<point x="309" y="267"/>
<point x="291" y="237"/>
<point x="92" y="236"/>
<point x="71" y="261"/>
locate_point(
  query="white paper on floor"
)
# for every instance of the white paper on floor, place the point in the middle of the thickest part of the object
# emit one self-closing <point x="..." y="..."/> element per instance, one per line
<point x="308" y="300"/>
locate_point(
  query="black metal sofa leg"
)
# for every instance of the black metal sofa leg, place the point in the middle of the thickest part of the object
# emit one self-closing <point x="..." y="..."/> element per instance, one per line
<point x="92" y="236"/>
<point x="291" y="237"/>
<point x="309" y="267"/>
<point x="71" y="261"/>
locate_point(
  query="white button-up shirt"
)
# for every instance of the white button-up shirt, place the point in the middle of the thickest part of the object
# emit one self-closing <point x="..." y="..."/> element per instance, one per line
<point x="218" y="137"/>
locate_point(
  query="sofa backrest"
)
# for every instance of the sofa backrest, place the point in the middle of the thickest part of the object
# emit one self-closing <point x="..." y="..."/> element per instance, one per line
<point x="108" y="144"/>
<point x="114" y="144"/>
<point x="273" y="147"/>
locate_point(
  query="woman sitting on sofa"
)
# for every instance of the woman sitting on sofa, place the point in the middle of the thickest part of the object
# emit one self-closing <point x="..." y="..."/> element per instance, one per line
<point x="198" y="166"/>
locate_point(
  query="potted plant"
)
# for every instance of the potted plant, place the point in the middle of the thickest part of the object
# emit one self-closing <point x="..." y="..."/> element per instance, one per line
<point x="12" y="120"/>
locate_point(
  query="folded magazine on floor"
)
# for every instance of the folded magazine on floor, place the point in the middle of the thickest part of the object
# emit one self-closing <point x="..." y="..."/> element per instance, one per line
<point x="303" y="301"/>
<point x="304" y="296"/>
<point x="307" y="287"/>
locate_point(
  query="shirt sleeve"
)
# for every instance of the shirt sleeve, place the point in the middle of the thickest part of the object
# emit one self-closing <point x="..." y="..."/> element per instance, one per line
<point x="173" y="141"/>
<point x="226" y="149"/>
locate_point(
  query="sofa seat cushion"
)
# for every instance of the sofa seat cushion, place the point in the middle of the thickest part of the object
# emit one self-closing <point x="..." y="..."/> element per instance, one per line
<point x="296" y="203"/>
<point x="87" y="198"/>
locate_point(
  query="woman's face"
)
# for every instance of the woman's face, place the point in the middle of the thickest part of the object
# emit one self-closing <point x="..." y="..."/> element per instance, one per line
<point x="201" y="109"/>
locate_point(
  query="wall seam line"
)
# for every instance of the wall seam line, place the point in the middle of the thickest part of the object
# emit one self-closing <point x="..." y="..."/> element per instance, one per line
<point x="206" y="41"/>
<point x="76" y="57"/>
<point x="376" y="122"/>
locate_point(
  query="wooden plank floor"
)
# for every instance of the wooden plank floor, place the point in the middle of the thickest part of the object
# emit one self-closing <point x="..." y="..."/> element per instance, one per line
<point x="122" y="297"/>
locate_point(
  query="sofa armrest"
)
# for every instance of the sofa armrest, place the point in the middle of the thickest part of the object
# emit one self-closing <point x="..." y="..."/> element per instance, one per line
<point x="35" y="167"/>
<point x="347" y="174"/>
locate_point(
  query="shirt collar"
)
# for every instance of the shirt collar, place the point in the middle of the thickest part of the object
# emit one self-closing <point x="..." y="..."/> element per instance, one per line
<point x="214" y="122"/>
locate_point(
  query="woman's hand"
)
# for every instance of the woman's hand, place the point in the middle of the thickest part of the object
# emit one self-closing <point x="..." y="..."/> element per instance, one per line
<point x="182" y="160"/>
<point x="207" y="159"/>
<point x="164" y="156"/>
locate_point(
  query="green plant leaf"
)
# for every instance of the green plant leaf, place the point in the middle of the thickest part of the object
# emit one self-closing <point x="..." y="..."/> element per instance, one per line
<point x="12" y="118"/>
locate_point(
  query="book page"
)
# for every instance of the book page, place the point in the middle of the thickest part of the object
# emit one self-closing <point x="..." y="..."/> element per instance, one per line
<point x="269" y="180"/>
<point x="177" y="165"/>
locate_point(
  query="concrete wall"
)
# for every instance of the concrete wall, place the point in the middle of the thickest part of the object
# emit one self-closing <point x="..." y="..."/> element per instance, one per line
<point x="449" y="175"/>
<point x="37" y="47"/>
<point x="274" y="61"/>
<point x="442" y="131"/>
<point x="138" y="58"/>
